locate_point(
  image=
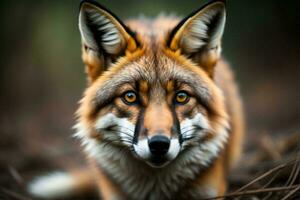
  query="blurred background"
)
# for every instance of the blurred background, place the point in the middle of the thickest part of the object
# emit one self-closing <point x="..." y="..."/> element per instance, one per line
<point x="42" y="76"/>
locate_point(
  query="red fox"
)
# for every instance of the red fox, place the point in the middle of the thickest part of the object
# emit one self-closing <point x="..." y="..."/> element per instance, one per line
<point x="161" y="117"/>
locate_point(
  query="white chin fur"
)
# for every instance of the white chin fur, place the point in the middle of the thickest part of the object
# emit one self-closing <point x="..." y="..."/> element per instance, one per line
<point x="54" y="185"/>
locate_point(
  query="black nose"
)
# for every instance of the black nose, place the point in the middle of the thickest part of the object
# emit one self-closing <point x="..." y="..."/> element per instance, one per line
<point x="159" y="145"/>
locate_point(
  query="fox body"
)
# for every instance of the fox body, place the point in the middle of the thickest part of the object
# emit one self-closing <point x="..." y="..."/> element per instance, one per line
<point x="161" y="117"/>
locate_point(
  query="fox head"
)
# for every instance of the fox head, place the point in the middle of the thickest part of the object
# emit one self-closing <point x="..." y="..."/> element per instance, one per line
<point x="151" y="90"/>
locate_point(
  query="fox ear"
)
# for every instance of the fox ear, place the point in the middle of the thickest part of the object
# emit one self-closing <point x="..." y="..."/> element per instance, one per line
<point x="104" y="38"/>
<point x="198" y="36"/>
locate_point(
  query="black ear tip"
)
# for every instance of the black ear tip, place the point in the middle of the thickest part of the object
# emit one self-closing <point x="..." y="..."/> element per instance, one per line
<point x="217" y="1"/>
<point x="94" y="3"/>
<point x="82" y="2"/>
<point x="91" y="2"/>
<point x="224" y="2"/>
<point x="88" y="1"/>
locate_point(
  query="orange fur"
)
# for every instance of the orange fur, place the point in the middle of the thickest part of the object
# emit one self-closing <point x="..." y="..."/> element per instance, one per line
<point x="154" y="65"/>
<point x="214" y="72"/>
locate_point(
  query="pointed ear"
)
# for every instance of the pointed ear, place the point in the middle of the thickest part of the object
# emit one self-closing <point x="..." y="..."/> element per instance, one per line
<point x="198" y="36"/>
<point x="104" y="38"/>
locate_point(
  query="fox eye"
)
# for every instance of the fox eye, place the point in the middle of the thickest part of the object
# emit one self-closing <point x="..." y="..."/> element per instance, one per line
<point x="129" y="97"/>
<point x="182" y="97"/>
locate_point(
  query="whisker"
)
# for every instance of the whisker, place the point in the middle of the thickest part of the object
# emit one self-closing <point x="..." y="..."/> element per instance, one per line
<point x="121" y="132"/>
<point x="189" y="135"/>
<point x="188" y="138"/>
<point x="189" y="130"/>
<point x="117" y="140"/>
<point x="123" y="127"/>
<point x="199" y="128"/>
<point x="107" y="143"/>
<point x="126" y="141"/>
<point x="186" y="127"/>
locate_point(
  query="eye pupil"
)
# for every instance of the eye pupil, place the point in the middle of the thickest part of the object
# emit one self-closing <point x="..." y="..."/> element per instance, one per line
<point x="182" y="97"/>
<point x="130" y="97"/>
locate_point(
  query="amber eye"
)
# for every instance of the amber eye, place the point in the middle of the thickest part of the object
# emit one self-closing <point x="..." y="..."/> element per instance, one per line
<point x="182" y="97"/>
<point x="130" y="97"/>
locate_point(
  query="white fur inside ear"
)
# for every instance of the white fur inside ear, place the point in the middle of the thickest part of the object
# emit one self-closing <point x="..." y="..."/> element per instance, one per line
<point x="97" y="29"/>
<point x="204" y="30"/>
<point x="52" y="186"/>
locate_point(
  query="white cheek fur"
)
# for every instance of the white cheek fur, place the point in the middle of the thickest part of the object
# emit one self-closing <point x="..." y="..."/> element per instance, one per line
<point x="142" y="149"/>
<point x="120" y="126"/>
<point x="189" y="128"/>
<point x="122" y="130"/>
<point x="207" y="150"/>
<point x="174" y="149"/>
<point x="198" y="120"/>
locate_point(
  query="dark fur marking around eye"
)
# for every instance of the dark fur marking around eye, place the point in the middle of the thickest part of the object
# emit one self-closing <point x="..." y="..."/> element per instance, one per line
<point x="176" y="125"/>
<point x="187" y="113"/>
<point x="138" y="125"/>
<point x="121" y="113"/>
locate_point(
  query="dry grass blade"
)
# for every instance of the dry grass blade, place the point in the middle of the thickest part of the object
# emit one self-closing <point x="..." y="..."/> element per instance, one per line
<point x="14" y="195"/>
<point x="295" y="171"/>
<point x="255" y="192"/>
<point x="16" y="175"/>
<point x="271" y="171"/>
<point x="268" y="183"/>
<point x="291" y="193"/>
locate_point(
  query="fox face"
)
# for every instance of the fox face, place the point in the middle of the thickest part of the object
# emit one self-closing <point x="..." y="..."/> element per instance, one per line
<point x="151" y="92"/>
<point x="161" y="117"/>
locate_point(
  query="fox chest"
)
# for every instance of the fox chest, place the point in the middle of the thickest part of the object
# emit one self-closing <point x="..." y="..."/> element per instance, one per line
<point x="136" y="183"/>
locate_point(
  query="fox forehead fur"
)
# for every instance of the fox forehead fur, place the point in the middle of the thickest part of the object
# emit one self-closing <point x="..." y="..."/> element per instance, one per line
<point x="154" y="62"/>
